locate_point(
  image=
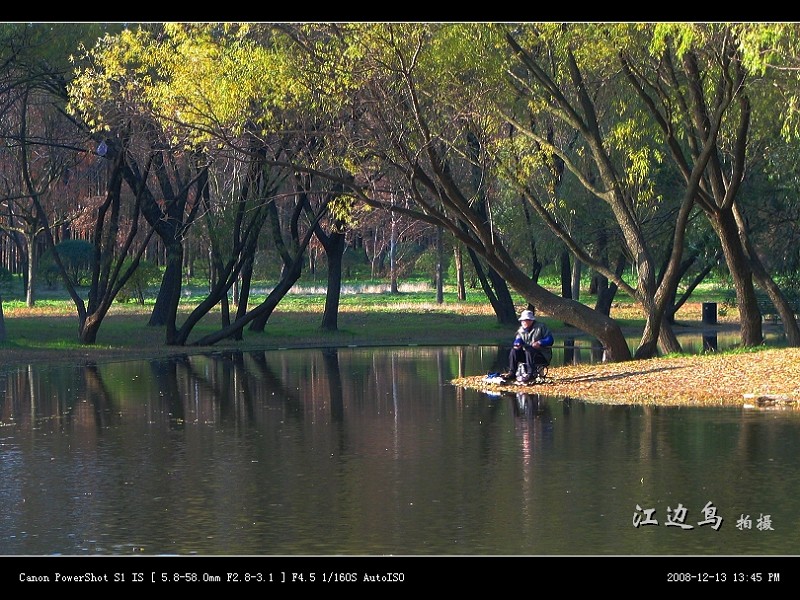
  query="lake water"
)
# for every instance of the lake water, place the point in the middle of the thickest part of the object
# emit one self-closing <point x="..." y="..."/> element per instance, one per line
<point x="371" y="451"/>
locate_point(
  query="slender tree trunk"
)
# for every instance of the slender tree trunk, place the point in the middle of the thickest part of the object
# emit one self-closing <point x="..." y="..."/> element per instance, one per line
<point x="244" y="293"/>
<point x="458" y="258"/>
<point x="30" y="299"/>
<point x="225" y="310"/>
<point x="566" y="274"/>
<point x="334" y="251"/>
<point x="536" y="265"/>
<point x="393" y="255"/>
<point x="439" y="266"/>
<point x="577" y="267"/>
<point x="607" y="290"/>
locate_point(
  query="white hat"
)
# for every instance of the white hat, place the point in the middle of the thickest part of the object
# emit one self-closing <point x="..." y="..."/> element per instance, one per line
<point x="527" y="315"/>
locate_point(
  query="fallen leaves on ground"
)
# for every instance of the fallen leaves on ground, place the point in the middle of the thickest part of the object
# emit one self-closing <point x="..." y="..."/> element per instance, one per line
<point x="698" y="380"/>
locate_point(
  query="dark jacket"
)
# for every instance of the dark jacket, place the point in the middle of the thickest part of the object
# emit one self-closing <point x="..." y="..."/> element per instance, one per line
<point x="538" y="332"/>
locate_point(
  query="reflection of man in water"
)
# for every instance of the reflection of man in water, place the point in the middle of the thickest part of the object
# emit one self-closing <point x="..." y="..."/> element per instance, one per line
<point x="533" y="424"/>
<point x="526" y="405"/>
<point x="532" y="347"/>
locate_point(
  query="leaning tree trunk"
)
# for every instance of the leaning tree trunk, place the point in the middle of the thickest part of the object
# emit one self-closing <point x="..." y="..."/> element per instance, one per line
<point x="169" y="292"/>
<point x="577" y="269"/>
<point x="604" y="328"/>
<point x="392" y="256"/>
<point x="667" y="340"/>
<point x="496" y="290"/>
<point x="258" y="317"/>
<point x="740" y="269"/>
<point x="788" y="318"/>
<point x="651" y="335"/>
<point x="766" y="283"/>
<point x="243" y="299"/>
<point x="606" y="290"/>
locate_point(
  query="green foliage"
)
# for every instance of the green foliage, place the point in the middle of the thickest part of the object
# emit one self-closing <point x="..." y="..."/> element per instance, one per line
<point x="202" y="82"/>
<point x="680" y="36"/>
<point x="77" y="257"/>
<point x="267" y="265"/>
<point x="355" y="264"/>
<point x="765" y="45"/>
<point x="45" y="48"/>
<point x="426" y="263"/>
<point x="146" y="274"/>
<point x="6" y="277"/>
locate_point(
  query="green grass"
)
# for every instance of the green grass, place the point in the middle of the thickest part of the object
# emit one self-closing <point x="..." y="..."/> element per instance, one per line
<point x="368" y="314"/>
<point x="412" y="317"/>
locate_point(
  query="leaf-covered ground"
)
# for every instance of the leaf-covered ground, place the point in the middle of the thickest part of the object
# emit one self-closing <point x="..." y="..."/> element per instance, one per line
<point x="754" y="378"/>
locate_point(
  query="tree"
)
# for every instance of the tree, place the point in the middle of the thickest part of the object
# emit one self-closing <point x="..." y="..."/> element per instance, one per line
<point x="76" y="255"/>
<point x="48" y="162"/>
<point x="450" y="125"/>
<point x="51" y="146"/>
<point x="416" y="129"/>
<point x="107" y="276"/>
<point x="563" y="74"/>
<point x="200" y="90"/>
<point x="704" y="95"/>
<point x="333" y="242"/>
<point x="35" y="69"/>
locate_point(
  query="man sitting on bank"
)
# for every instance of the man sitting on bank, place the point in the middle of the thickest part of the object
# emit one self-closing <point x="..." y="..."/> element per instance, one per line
<point x="532" y="347"/>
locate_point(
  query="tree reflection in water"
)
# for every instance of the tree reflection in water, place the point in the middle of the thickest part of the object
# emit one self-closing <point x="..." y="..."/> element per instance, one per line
<point x="365" y="450"/>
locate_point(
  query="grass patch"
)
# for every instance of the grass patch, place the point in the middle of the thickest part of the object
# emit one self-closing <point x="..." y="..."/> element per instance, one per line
<point x="368" y="315"/>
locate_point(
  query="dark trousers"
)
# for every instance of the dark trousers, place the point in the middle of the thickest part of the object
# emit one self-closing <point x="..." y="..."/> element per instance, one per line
<point x="530" y="356"/>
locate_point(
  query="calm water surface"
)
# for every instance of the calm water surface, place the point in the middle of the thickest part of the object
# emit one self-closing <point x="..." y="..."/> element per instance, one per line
<point x="372" y="451"/>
